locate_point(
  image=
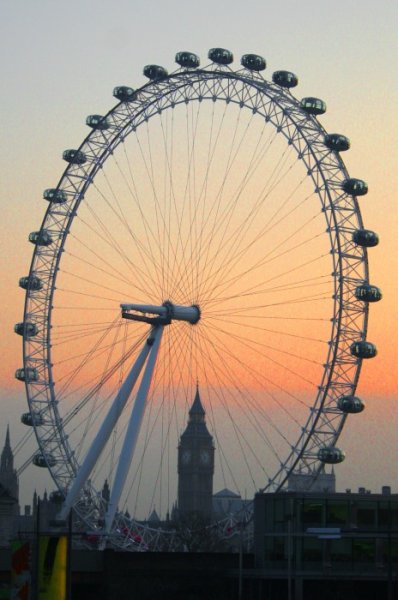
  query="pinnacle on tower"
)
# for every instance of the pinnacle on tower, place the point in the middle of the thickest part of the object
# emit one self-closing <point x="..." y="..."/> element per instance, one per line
<point x="7" y="457"/>
<point x="8" y="475"/>
<point x="197" y="407"/>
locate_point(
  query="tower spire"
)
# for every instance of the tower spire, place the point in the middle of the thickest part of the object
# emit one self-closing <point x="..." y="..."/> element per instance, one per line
<point x="7" y="457"/>
<point x="8" y="475"/>
<point x="8" y="444"/>
<point x="197" y="407"/>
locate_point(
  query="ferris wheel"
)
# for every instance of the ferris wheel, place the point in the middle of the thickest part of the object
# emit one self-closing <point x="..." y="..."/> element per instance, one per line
<point x="206" y="231"/>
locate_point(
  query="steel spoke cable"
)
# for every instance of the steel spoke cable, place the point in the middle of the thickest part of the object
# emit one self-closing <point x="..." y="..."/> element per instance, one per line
<point x="157" y="202"/>
<point x="77" y="293"/>
<point x="78" y="407"/>
<point x="81" y="403"/>
<point x="310" y="282"/>
<point x="76" y="336"/>
<point x="299" y="300"/>
<point x="201" y="217"/>
<point x="283" y="273"/>
<point x="236" y="238"/>
<point x="147" y="279"/>
<point x="114" y="434"/>
<point x="110" y="240"/>
<point x="248" y="398"/>
<point x="157" y="211"/>
<point x="91" y="355"/>
<point x="87" y="356"/>
<point x="249" y="342"/>
<point x="259" y="376"/>
<point x="224" y="463"/>
<point x="94" y="398"/>
<point x="173" y="339"/>
<point x="233" y="261"/>
<point x="144" y="250"/>
<point x="252" y="403"/>
<point x="101" y="259"/>
<point x="276" y="331"/>
<point x="220" y="217"/>
<point x="219" y="345"/>
<point x="180" y="245"/>
<point x="75" y="371"/>
<point x="91" y="265"/>
<point x="105" y="457"/>
<point x="96" y="283"/>
<point x="239" y="436"/>
<point x="226" y="216"/>
<point x="149" y="234"/>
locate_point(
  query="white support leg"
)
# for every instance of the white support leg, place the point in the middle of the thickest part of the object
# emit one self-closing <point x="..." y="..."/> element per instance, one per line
<point x="132" y="432"/>
<point x="106" y="428"/>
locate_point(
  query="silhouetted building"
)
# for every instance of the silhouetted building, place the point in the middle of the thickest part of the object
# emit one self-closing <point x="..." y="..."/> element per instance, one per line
<point x="9" y="491"/>
<point x="8" y="475"/>
<point x="316" y="537"/>
<point x="196" y="464"/>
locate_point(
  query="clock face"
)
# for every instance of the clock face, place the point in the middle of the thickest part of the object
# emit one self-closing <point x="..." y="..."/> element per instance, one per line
<point x="204" y="457"/>
<point x="186" y="457"/>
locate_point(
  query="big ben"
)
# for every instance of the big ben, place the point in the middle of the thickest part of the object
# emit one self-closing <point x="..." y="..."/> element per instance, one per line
<point x="196" y="464"/>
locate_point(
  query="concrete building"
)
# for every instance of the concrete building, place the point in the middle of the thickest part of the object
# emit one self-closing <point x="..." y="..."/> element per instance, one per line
<point x="305" y="538"/>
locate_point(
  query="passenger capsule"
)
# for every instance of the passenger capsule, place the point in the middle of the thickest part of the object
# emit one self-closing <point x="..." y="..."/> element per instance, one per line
<point x="97" y="122"/>
<point x="331" y="455"/>
<point x="337" y="142"/>
<point x="313" y="106"/>
<point x="155" y="72"/>
<point x="40" y="238"/>
<point x="40" y="461"/>
<point x="355" y="187"/>
<point x="28" y="374"/>
<point x="31" y="419"/>
<point x="124" y="93"/>
<point x="253" y="62"/>
<point x="188" y="60"/>
<point x="350" y="404"/>
<point x="363" y="349"/>
<point x="26" y="329"/>
<point x="220" y="56"/>
<point x="368" y="293"/>
<point x="365" y="238"/>
<point x="74" y="157"/>
<point x="285" y="79"/>
<point x="31" y="282"/>
<point x="54" y="195"/>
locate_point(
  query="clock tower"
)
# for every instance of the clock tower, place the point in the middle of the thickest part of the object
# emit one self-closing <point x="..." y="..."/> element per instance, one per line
<point x="196" y="464"/>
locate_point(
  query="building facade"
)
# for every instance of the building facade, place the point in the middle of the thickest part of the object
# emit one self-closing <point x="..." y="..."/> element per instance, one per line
<point x="313" y="536"/>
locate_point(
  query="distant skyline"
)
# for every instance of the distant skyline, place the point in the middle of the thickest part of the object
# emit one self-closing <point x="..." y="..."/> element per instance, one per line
<point x="61" y="65"/>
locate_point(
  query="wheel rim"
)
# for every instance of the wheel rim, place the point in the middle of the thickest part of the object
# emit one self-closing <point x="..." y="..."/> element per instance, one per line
<point x="278" y="118"/>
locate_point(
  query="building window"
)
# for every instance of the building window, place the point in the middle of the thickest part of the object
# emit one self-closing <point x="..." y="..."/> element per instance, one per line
<point x="364" y="551"/>
<point x="384" y="516"/>
<point x="337" y="512"/>
<point x="366" y="514"/>
<point x="275" y="550"/>
<point x="341" y="552"/>
<point x="312" y="552"/>
<point x="312" y="513"/>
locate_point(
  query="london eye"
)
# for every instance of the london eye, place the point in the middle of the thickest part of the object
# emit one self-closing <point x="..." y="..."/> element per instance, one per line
<point x="205" y="232"/>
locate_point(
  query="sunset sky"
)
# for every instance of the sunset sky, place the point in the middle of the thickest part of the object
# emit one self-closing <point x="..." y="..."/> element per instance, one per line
<point x="61" y="63"/>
